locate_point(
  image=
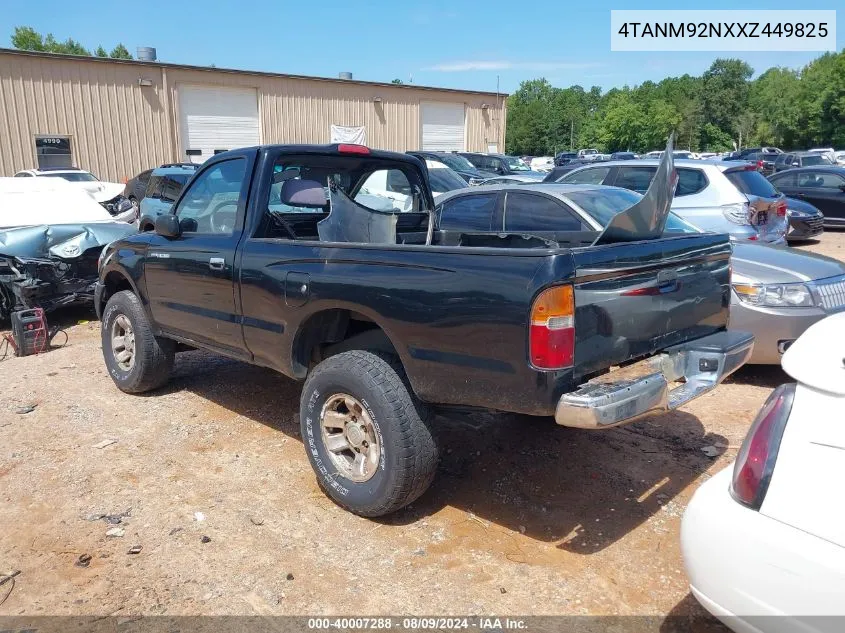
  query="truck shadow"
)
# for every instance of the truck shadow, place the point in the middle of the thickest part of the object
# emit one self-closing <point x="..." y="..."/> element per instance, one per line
<point x="583" y="490"/>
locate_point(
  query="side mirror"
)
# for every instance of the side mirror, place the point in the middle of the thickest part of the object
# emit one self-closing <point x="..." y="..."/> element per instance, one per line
<point x="168" y="225"/>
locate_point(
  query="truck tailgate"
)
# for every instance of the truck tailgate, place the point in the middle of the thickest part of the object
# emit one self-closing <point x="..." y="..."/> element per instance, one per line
<point x="633" y="299"/>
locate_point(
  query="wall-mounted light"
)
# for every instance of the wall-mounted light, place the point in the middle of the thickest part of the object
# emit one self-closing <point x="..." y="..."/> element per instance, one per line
<point x="376" y="99"/>
<point x="144" y="82"/>
<point x="485" y="106"/>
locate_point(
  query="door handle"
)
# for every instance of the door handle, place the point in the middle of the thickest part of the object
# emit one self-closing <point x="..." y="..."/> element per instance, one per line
<point x="216" y="263"/>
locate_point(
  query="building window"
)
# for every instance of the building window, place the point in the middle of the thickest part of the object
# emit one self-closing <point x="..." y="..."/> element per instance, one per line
<point x="53" y="152"/>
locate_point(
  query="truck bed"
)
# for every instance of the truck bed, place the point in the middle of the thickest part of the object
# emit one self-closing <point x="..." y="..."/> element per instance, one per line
<point x="458" y="316"/>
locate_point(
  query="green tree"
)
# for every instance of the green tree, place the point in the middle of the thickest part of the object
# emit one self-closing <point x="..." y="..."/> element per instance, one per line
<point x="120" y="52"/>
<point x="397" y="81"/>
<point x="725" y="92"/>
<point x="774" y="97"/>
<point x="822" y="98"/>
<point x="26" y="38"/>
<point x="622" y="124"/>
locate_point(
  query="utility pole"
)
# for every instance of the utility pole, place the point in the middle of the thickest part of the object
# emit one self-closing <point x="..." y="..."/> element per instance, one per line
<point x="571" y="135"/>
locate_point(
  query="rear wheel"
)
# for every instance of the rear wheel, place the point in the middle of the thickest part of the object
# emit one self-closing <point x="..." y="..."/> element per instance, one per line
<point x="137" y="361"/>
<point x="366" y="434"/>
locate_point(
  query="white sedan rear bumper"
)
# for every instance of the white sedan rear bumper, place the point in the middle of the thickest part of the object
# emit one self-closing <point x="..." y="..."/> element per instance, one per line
<point x="746" y="568"/>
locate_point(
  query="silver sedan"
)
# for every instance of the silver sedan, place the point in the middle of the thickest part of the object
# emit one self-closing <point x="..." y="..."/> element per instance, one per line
<point x="778" y="292"/>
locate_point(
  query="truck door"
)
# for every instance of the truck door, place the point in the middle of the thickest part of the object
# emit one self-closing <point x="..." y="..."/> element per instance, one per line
<point x="190" y="278"/>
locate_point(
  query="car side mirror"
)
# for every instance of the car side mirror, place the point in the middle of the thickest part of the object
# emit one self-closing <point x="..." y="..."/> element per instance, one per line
<point x="168" y="225"/>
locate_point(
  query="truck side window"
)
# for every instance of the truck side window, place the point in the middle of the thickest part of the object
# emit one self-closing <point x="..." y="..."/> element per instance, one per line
<point x="468" y="213"/>
<point x="210" y="205"/>
<point x="531" y="212"/>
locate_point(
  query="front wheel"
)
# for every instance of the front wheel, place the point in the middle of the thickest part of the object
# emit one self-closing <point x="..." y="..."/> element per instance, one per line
<point x="136" y="360"/>
<point x="366" y="434"/>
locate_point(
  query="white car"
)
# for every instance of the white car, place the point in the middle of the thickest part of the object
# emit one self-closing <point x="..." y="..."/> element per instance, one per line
<point x="766" y="536"/>
<point x="108" y="194"/>
<point x="46" y="201"/>
<point x="389" y="190"/>
<point x="542" y="164"/>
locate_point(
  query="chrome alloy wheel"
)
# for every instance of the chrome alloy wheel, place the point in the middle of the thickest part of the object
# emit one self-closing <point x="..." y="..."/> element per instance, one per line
<point x="350" y="437"/>
<point x="123" y="342"/>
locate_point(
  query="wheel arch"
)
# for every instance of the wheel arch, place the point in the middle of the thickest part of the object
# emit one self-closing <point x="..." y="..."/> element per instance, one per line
<point x="115" y="281"/>
<point x="331" y="331"/>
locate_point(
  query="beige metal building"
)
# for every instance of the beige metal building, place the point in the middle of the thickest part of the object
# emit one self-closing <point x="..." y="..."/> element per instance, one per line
<point x="117" y="118"/>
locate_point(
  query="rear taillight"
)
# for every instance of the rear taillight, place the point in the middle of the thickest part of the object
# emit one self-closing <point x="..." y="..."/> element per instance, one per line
<point x="781" y="209"/>
<point x="738" y="213"/>
<point x="349" y="148"/>
<point x="756" y="459"/>
<point x="552" y="331"/>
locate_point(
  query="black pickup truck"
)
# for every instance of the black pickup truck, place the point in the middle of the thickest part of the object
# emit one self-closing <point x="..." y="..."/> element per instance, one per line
<point x="324" y="263"/>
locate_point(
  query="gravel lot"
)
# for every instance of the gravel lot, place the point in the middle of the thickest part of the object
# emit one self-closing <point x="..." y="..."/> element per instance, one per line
<point x="524" y="517"/>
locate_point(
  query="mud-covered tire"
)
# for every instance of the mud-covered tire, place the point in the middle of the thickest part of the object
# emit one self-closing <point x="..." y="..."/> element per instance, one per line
<point x="408" y="452"/>
<point x="153" y="356"/>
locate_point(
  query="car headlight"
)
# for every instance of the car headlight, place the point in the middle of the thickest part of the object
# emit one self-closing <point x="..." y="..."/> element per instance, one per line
<point x="473" y="181"/>
<point x="775" y="295"/>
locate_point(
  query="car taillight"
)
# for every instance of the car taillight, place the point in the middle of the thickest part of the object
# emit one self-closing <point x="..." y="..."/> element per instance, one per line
<point x="738" y="213"/>
<point x="552" y="330"/>
<point x="781" y="209"/>
<point x="756" y="459"/>
<point x="350" y="148"/>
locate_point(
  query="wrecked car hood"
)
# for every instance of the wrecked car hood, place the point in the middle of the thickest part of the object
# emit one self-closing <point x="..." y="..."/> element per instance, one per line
<point x="36" y="201"/>
<point x="646" y="220"/>
<point x="61" y="241"/>
<point x="104" y="191"/>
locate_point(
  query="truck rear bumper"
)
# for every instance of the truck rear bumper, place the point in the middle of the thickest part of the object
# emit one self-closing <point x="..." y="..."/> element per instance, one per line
<point x="617" y="398"/>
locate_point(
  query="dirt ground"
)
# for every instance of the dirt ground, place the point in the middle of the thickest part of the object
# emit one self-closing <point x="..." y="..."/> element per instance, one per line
<point x="524" y="517"/>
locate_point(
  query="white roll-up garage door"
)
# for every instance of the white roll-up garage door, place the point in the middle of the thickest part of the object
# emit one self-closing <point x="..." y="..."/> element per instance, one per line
<point x="213" y="118"/>
<point x="442" y="127"/>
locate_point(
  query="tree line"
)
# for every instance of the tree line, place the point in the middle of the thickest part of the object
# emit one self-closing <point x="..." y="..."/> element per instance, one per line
<point x="715" y="112"/>
<point x="26" y="38"/>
